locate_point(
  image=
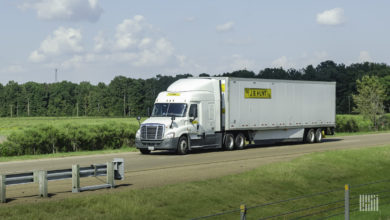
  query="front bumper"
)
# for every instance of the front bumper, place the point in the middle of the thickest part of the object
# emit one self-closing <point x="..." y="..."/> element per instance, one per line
<point x="165" y="144"/>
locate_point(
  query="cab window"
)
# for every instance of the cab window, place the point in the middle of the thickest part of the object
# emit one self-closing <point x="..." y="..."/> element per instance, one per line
<point x="193" y="111"/>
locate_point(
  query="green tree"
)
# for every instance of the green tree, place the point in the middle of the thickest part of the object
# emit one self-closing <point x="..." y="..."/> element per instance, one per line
<point x="370" y="97"/>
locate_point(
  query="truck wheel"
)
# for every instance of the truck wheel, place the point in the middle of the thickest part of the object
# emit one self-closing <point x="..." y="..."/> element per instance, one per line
<point x="144" y="151"/>
<point x="239" y="141"/>
<point x="182" y="145"/>
<point x="310" y="136"/>
<point x="318" y="135"/>
<point x="228" y="142"/>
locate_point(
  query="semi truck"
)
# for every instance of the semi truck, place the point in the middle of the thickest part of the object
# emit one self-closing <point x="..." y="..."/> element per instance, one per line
<point x="229" y="113"/>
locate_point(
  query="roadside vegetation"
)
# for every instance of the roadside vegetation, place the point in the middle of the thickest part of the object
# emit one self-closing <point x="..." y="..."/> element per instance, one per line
<point x="308" y="174"/>
<point x="359" y="124"/>
<point x="55" y="135"/>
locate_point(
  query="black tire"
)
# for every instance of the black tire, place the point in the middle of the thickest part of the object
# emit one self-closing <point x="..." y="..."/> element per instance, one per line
<point x="144" y="151"/>
<point x="310" y="136"/>
<point x="239" y="141"/>
<point x="228" y="141"/>
<point x="182" y="146"/>
<point x="318" y="135"/>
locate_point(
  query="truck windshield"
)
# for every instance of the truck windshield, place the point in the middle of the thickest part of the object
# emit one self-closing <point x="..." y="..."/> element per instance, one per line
<point x="169" y="109"/>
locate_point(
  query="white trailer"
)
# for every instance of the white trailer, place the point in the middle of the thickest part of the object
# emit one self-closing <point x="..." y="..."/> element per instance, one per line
<point x="222" y="112"/>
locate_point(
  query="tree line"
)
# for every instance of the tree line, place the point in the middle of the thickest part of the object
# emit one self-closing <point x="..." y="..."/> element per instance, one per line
<point x="125" y="96"/>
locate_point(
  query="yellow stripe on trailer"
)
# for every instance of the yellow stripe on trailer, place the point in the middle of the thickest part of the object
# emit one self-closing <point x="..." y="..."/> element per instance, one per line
<point x="223" y="87"/>
<point x="173" y="94"/>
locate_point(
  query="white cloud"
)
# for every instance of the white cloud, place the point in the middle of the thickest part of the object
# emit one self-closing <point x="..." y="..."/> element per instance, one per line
<point x="364" y="56"/>
<point x="225" y="27"/>
<point x="61" y="41"/>
<point x="283" y="62"/>
<point x="68" y="10"/>
<point x="240" y="63"/>
<point x="136" y="42"/>
<point x="135" y="46"/>
<point x="331" y="17"/>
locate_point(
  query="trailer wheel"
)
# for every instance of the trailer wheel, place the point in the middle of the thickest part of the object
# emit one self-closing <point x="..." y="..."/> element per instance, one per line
<point x="144" y="151"/>
<point x="239" y="141"/>
<point x="310" y="136"/>
<point x="318" y="135"/>
<point x="228" y="142"/>
<point x="182" y="145"/>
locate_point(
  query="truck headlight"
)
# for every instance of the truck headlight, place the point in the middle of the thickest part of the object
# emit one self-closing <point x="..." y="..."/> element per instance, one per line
<point x="138" y="134"/>
<point x="170" y="135"/>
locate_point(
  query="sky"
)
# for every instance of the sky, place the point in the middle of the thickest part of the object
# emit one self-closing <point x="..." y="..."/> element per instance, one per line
<point x="96" y="40"/>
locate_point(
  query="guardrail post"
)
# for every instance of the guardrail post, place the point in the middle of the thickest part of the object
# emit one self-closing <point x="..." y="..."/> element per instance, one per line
<point x="3" y="198"/>
<point x="42" y="179"/>
<point x="110" y="174"/>
<point x="346" y="202"/>
<point x="243" y="212"/>
<point x="75" y="178"/>
<point x="35" y="176"/>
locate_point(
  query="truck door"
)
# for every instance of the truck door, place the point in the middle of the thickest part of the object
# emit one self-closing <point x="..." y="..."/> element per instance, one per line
<point x="208" y="122"/>
<point x="196" y="137"/>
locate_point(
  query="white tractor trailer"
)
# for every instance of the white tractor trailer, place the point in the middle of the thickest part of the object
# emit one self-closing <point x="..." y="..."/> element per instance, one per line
<point x="224" y="112"/>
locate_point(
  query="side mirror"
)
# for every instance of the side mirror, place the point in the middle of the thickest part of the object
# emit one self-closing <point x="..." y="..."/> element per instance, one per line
<point x="139" y="120"/>
<point x="172" y="118"/>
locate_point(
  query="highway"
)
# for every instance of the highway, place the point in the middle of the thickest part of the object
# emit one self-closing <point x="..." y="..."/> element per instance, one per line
<point x="161" y="168"/>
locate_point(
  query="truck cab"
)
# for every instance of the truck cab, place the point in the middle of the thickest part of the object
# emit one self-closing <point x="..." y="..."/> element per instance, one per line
<point x="184" y="117"/>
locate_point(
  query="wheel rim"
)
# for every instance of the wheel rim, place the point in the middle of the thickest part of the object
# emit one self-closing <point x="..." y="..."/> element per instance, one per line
<point x="311" y="136"/>
<point x="319" y="138"/>
<point x="229" y="142"/>
<point x="240" y="143"/>
<point x="183" y="145"/>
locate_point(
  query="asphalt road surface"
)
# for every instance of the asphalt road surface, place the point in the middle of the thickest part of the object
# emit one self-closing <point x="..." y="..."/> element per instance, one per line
<point x="161" y="168"/>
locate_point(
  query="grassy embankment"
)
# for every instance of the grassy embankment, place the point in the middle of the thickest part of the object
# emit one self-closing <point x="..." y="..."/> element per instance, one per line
<point x="308" y="174"/>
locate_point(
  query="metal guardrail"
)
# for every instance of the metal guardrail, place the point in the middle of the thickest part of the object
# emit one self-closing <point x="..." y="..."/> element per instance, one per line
<point x="320" y="210"/>
<point x="113" y="170"/>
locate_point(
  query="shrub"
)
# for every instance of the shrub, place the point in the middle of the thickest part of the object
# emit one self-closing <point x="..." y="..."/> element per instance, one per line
<point x="43" y="139"/>
<point x="356" y="123"/>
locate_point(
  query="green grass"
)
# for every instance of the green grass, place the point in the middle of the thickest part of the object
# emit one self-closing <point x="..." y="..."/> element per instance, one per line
<point x="308" y="174"/>
<point x="9" y="125"/>
<point x="67" y="154"/>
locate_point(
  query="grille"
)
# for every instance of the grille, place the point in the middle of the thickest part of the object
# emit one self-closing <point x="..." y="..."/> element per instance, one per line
<point x="152" y="131"/>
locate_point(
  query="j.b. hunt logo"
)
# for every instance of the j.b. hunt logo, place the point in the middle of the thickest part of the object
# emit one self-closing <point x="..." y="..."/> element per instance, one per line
<point x="256" y="93"/>
<point x="369" y="203"/>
